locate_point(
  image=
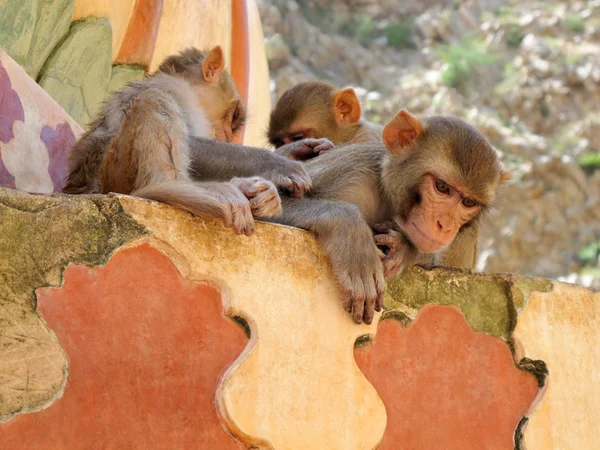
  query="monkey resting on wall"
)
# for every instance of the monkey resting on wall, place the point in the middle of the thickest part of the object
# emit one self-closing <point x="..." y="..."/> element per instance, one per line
<point x="315" y="110"/>
<point x="167" y="138"/>
<point x="423" y="188"/>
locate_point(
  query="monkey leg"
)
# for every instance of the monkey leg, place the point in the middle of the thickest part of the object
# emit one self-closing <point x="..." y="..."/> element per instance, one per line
<point x="348" y="241"/>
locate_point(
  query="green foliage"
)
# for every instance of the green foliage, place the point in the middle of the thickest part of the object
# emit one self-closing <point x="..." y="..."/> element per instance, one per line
<point x="461" y="59"/>
<point x="513" y="35"/>
<point x="590" y="253"/>
<point x="361" y="29"/>
<point x="399" y="35"/>
<point x="575" y="23"/>
<point x="590" y="161"/>
<point x="318" y="14"/>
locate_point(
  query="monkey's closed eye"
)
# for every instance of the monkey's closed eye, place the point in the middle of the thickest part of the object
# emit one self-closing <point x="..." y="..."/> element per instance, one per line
<point x="468" y="202"/>
<point x="442" y="187"/>
<point x="298" y="137"/>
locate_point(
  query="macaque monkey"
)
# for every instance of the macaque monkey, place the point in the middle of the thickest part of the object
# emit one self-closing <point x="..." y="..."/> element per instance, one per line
<point x="326" y="117"/>
<point x="153" y="139"/>
<point x="427" y="183"/>
<point x="319" y="110"/>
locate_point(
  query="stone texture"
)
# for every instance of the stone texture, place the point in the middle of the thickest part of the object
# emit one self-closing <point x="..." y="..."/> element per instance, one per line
<point x="296" y="385"/>
<point x="39" y="237"/>
<point x="118" y="12"/>
<point x="30" y="29"/>
<point x="123" y="74"/>
<point x="445" y="386"/>
<point x="78" y="72"/>
<point x="134" y="316"/>
<point x="561" y="327"/>
<point x="35" y="133"/>
<point x="490" y="303"/>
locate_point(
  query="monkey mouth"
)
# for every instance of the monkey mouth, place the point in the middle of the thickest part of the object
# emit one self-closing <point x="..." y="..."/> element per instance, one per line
<point x="428" y="245"/>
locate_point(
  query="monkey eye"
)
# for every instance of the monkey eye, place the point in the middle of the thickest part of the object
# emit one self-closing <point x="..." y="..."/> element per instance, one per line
<point x="468" y="202"/>
<point x="442" y="187"/>
<point x="297" y="137"/>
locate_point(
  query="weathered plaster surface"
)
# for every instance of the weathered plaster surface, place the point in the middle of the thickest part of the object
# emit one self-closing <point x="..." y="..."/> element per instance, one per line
<point x="445" y="386"/>
<point x="490" y="302"/>
<point x="30" y="29"/>
<point x="39" y="237"/>
<point x="77" y="73"/>
<point x="561" y="328"/>
<point x="146" y="349"/>
<point x="123" y="74"/>
<point x="297" y="384"/>
<point x="118" y="12"/>
<point x="179" y="28"/>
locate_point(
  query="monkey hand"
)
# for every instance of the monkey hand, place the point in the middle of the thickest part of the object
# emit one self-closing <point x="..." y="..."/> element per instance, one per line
<point x="356" y="263"/>
<point x="399" y="253"/>
<point x="262" y="194"/>
<point x="290" y="176"/>
<point x="305" y="149"/>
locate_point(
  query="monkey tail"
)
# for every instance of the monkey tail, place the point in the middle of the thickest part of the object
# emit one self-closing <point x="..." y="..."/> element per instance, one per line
<point x="187" y="195"/>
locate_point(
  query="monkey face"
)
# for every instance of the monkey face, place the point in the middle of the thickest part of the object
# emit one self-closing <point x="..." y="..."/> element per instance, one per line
<point x="444" y="209"/>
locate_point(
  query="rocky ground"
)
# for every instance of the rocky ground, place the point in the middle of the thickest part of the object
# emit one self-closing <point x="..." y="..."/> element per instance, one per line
<point x="527" y="74"/>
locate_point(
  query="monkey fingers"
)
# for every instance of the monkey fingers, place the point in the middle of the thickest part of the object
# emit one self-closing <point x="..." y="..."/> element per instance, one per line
<point x="236" y="209"/>
<point x="263" y="196"/>
<point x="305" y="149"/>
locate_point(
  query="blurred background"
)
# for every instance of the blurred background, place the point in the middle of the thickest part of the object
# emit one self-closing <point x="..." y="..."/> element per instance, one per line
<point x="527" y="74"/>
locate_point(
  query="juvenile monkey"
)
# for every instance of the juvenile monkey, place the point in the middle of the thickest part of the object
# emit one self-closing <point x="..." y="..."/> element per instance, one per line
<point x="431" y="178"/>
<point x="152" y="139"/>
<point x="321" y="113"/>
<point x="319" y="110"/>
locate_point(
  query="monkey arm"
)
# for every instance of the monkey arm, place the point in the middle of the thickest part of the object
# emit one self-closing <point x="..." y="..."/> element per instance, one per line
<point x="220" y="161"/>
<point x="348" y="241"/>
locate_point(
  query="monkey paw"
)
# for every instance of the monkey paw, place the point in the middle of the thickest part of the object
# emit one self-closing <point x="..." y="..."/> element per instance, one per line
<point x="292" y="177"/>
<point x="305" y="149"/>
<point x="400" y="253"/>
<point x="262" y="194"/>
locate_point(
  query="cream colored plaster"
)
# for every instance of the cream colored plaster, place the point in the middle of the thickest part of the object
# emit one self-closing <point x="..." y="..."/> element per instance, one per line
<point x="118" y="12"/>
<point x="561" y="328"/>
<point x="259" y="100"/>
<point x="186" y="23"/>
<point x="296" y="386"/>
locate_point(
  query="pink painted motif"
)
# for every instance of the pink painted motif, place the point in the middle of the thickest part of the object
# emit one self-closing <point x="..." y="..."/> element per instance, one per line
<point x="146" y="349"/>
<point x="11" y="110"/>
<point x="58" y="142"/>
<point x="444" y="386"/>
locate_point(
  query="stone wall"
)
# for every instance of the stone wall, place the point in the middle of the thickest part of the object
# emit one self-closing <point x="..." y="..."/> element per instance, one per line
<point x="131" y="324"/>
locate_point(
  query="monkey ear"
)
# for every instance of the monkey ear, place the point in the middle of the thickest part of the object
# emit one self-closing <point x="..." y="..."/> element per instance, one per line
<point x="213" y="64"/>
<point x="400" y="132"/>
<point x="505" y="176"/>
<point x="346" y="107"/>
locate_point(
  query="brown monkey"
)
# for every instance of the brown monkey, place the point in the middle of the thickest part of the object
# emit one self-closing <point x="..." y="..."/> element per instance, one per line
<point x="150" y="135"/>
<point x="432" y="178"/>
<point x="319" y="110"/>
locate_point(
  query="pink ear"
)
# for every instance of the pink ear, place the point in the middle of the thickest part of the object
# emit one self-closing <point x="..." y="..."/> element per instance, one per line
<point x="346" y="107"/>
<point x="401" y="132"/>
<point x="213" y="64"/>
